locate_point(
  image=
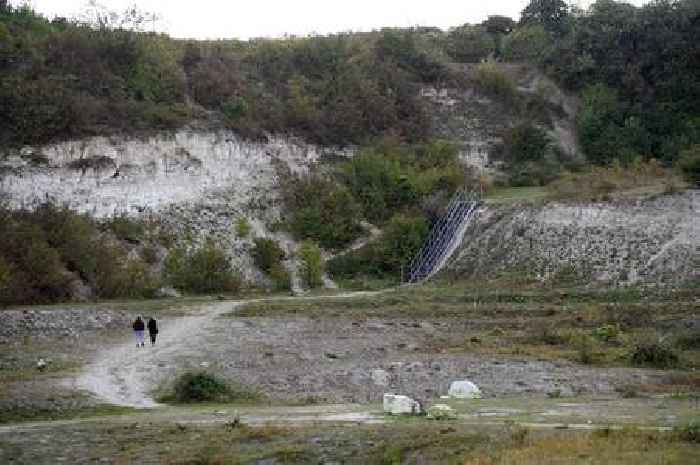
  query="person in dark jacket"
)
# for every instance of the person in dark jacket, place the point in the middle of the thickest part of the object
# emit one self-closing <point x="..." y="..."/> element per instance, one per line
<point x="139" y="328"/>
<point x="152" y="330"/>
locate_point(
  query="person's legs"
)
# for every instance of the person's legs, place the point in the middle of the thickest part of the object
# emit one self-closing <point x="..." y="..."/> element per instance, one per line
<point x="136" y="335"/>
<point x="139" y="338"/>
<point x="153" y="338"/>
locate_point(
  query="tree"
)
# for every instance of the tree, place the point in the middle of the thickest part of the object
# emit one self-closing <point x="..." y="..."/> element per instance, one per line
<point x="132" y="18"/>
<point x="311" y="264"/>
<point x="551" y="14"/>
<point x="497" y="24"/>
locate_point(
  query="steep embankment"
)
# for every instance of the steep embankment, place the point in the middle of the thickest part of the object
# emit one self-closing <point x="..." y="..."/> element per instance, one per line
<point x="197" y="183"/>
<point x="627" y="242"/>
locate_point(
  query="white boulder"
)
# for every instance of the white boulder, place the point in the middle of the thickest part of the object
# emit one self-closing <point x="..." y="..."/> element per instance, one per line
<point x="400" y="405"/>
<point x="441" y="412"/>
<point x="464" y="390"/>
<point x="380" y="377"/>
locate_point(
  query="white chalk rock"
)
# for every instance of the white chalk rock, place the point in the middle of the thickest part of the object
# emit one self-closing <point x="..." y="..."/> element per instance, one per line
<point x="464" y="390"/>
<point x="41" y="364"/>
<point x="441" y="412"/>
<point x="400" y="405"/>
<point x="380" y="377"/>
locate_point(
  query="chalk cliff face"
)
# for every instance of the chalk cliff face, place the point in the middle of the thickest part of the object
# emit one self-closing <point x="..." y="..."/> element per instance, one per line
<point x="197" y="183"/>
<point x="106" y="176"/>
<point x="623" y="242"/>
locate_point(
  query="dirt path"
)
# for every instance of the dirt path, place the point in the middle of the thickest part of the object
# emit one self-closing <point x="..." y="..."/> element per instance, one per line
<point x="124" y="375"/>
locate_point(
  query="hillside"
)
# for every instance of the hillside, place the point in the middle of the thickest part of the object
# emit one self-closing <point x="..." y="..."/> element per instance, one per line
<point x="242" y="151"/>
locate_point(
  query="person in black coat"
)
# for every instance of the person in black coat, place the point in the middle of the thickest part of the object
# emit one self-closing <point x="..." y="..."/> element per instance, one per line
<point x="152" y="329"/>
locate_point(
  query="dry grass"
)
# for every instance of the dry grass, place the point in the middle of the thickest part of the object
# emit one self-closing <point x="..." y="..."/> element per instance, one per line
<point x="597" y="448"/>
<point x="640" y="178"/>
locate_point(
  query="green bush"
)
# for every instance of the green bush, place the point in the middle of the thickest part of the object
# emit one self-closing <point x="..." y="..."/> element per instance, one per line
<point x="527" y="43"/>
<point x="495" y="83"/>
<point x="126" y="228"/>
<point x="470" y="44"/>
<point x="267" y="253"/>
<point x="400" y="241"/>
<point x="689" y="432"/>
<point x="192" y="387"/>
<point x="323" y="211"/>
<point x="311" y="264"/>
<point x="201" y="270"/>
<point x="689" y="164"/>
<point x="654" y="354"/>
<point x="389" y="178"/>
<point x="243" y="228"/>
<point x="280" y="277"/>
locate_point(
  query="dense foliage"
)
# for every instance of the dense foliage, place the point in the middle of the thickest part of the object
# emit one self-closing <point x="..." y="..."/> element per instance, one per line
<point x="46" y="253"/>
<point x="637" y="69"/>
<point x="65" y="79"/>
<point x="201" y="270"/>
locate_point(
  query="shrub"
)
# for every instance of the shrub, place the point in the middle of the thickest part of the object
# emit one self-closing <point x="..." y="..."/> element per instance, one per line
<point x="400" y="241"/>
<point x="267" y="254"/>
<point x="470" y="44"/>
<point x="201" y="270"/>
<point x="689" y="340"/>
<point x="584" y="346"/>
<point x="126" y="228"/>
<point x="311" y="264"/>
<point x="281" y="280"/>
<point x="322" y="211"/>
<point x="654" y="354"/>
<point x="526" y="43"/>
<point x="689" y="432"/>
<point x="242" y="228"/>
<point x="689" y="164"/>
<point x="495" y="83"/>
<point x="204" y="387"/>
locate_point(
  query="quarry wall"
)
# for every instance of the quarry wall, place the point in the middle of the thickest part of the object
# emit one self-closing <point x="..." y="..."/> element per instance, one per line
<point x="622" y="242"/>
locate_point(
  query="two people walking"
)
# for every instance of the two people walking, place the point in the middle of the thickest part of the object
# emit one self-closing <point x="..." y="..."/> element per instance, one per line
<point x="140" y="328"/>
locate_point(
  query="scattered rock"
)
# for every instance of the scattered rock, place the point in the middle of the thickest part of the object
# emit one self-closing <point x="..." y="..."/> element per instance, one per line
<point x="168" y="293"/>
<point x="441" y="412"/>
<point x="464" y="390"/>
<point x="400" y="405"/>
<point x="41" y="364"/>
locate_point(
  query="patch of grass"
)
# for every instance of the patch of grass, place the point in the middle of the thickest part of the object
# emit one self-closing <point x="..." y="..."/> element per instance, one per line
<point x="625" y="447"/>
<point x="638" y="178"/>
<point x="516" y="195"/>
<point x="24" y="414"/>
<point x="194" y="387"/>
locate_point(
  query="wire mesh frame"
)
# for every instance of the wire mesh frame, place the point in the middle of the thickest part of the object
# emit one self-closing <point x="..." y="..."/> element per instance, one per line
<point x="461" y="209"/>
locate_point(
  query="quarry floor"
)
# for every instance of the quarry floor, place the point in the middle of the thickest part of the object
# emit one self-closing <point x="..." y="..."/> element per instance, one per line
<point x="321" y="365"/>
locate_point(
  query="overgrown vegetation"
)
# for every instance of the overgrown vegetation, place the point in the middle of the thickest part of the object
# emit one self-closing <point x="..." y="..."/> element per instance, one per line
<point x="312" y="265"/>
<point x="47" y="252"/>
<point x="201" y="270"/>
<point x="192" y="387"/>
<point x="268" y="256"/>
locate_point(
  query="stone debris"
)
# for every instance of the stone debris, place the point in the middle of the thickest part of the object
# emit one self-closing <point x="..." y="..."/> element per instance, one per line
<point x="464" y="390"/>
<point x="400" y="405"/>
<point x="41" y="364"/>
<point x="441" y="412"/>
<point x="168" y="293"/>
<point x="380" y="377"/>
